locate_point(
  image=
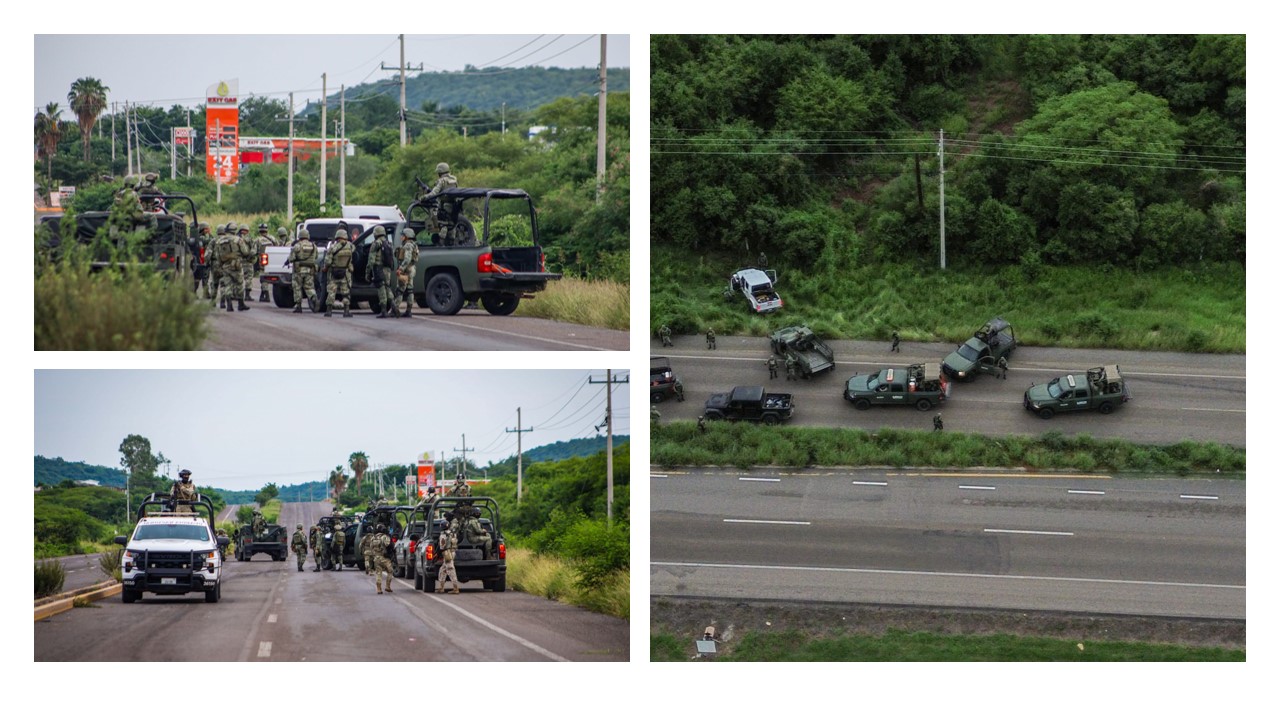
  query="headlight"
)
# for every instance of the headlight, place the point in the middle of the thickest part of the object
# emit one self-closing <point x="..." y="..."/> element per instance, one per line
<point x="960" y="373"/>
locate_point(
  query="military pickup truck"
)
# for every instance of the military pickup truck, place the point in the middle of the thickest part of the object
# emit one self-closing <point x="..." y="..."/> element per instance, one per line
<point x="173" y="550"/>
<point x="922" y="385"/>
<point x="273" y="541"/>
<point x="454" y="268"/>
<point x="168" y="244"/>
<point x="662" y="379"/>
<point x="750" y="403"/>
<point x="1101" y="389"/>
<point x="809" y="353"/>
<point x="471" y="561"/>
<point x="350" y="556"/>
<point x="757" y="286"/>
<point x="982" y="352"/>
<point x="393" y="516"/>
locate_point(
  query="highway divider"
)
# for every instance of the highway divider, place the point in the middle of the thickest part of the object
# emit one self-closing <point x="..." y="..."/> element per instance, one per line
<point x="47" y="607"/>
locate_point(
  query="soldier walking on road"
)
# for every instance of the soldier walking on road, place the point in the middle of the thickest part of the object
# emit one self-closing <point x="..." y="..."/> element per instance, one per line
<point x="408" y="265"/>
<point x="937" y="422"/>
<point x="381" y="564"/>
<point x="448" y="550"/>
<point x="1003" y="366"/>
<point x="229" y="253"/>
<point x="791" y="368"/>
<point x="338" y="546"/>
<point x="773" y="367"/>
<point x="249" y="260"/>
<point x="664" y="332"/>
<point x="896" y="340"/>
<point x="299" y="546"/>
<point x="317" y="546"/>
<point x="302" y="256"/>
<point x="679" y="388"/>
<point x="711" y="339"/>
<point x="381" y="271"/>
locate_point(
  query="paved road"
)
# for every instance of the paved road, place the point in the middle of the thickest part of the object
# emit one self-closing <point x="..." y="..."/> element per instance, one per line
<point x="1176" y="396"/>
<point x="270" y="611"/>
<point x="267" y="327"/>
<point x="1088" y="543"/>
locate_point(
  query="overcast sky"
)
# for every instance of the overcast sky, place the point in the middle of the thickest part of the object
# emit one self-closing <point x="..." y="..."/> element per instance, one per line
<point x="167" y="70"/>
<point x="239" y="430"/>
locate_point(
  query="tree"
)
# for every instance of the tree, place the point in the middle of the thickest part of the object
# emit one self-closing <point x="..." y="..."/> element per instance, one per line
<point x="48" y="127"/>
<point x="136" y="457"/>
<point x="266" y="494"/>
<point x="359" y="463"/>
<point x="88" y="98"/>
<point x="338" y="480"/>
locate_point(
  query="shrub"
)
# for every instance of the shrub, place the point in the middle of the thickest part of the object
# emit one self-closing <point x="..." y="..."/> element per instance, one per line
<point x="109" y="561"/>
<point x="49" y="578"/>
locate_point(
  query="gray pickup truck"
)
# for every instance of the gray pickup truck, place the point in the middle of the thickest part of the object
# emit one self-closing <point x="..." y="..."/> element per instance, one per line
<point x="455" y="268"/>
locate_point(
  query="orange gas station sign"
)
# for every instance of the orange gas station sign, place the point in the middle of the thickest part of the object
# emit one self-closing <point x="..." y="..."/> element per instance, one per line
<point x="222" y="129"/>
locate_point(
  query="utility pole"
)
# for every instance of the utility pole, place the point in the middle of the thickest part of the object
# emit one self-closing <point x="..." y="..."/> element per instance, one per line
<point x="600" y="134"/>
<point x="324" y="118"/>
<point x="342" y="149"/>
<point x="504" y="118"/>
<point x="113" y="134"/>
<point x="519" y="431"/>
<point x="289" y="174"/>
<point x="403" y="110"/>
<point x="191" y="141"/>
<point x="128" y="142"/>
<point x="608" y="418"/>
<point x="464" y="452"/>
<point x="942" y="202"/>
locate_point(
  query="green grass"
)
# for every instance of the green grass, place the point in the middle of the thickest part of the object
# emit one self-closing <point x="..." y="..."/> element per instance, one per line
<point x="597" y="303"/>
<point x="903" y="646"/>
<point x="49" y="578"/>
<point x="550" y="577"/>
<point x="747" y="445"/>
<point x="1200" y="309"/>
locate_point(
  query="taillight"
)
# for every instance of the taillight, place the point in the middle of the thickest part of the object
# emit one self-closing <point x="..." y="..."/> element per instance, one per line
<point x="431" y="553"/>
<point x="413" y="546"/>
<point x="262" y="259"/>
<point x="502" y="551"/>
<point x="164" y="256"/>
<point x="484" y="263"/>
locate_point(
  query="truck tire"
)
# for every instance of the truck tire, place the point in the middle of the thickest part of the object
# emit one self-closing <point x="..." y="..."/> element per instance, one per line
<point x="409" y="571"/>
<point x="397" y="570"/>
<point x="444" y="294"/>
<point x="769" y="419"/>
<point x="862" y="403"/>
<point x="428" y="583"/>
<point x="500" y="303"/>
<point x="282" y="295"/>
<point x="1106" y="408"/>
<point x="128" y="594"/>
<point x="1046" y="413"/>
<point x="417" y="582"/>
<point x="213" y="594"/>
<point x="657" y="397"/>
<point x="924" y="404"/>
<point x="279" y="557"/>
<point x="498" y="585"/>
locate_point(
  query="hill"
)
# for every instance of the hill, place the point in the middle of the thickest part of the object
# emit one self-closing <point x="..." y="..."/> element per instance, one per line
<point x="51" y="471"/>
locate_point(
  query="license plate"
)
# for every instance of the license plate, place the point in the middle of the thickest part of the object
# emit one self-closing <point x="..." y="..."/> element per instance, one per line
<point x="168" y="581"/>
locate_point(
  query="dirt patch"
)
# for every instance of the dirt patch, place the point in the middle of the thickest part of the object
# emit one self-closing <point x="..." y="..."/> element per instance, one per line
<point x="733" y="619"/>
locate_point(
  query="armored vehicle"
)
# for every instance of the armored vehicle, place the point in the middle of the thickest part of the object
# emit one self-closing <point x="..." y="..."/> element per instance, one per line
<point x="809" y="353"/>
<point x="750" y="403"/>
<point x="982" y="352"/>
<point x="273" y="541"/>
<point x="173" y="550"/>
<point x="471" y="561"/>
<point x="922" y="385"/>
<point x="168" y="244"/>
<point x="757" y="286"/>
<point x="1101" y="389"/>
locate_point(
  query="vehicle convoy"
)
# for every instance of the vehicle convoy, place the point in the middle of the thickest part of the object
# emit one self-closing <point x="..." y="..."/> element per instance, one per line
<point x="168" y="245"/>
<point x="1101" y="389"/>
<point x="662" y="379"/>
<point x="327" y="524"/>
<point x="922" y="385"/>
<point x="757" y="286"/>
<point x="453" y="267"/>
<point x="393" y="516"/>
<point x="173" y="550"/>
<point x="750" y="403"/>
<point x="800" y="345"/>
<point x="982" y="352"/>
<point x="274" y="541"/>
<point x="471" y="562"/>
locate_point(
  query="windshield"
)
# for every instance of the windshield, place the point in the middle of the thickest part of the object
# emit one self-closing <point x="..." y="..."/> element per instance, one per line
<point x="172" y="532"/>
<point x="968" y="352"/>
<point x="1055" y="390"/>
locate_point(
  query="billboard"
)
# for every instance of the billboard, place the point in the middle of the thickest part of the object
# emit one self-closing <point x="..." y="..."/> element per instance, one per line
<point x="222" y="128"/>
<point x="426" y="473"/>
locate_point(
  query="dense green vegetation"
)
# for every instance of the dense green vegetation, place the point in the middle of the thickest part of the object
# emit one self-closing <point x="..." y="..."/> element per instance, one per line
<point x="51" y="471"/>
<point x="746" y="445"/>
<point x="1112" y="159"/>
<point x="903" y="646"/>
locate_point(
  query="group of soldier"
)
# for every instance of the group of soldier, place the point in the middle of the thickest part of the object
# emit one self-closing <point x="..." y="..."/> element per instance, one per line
<point x="225" y="265"/>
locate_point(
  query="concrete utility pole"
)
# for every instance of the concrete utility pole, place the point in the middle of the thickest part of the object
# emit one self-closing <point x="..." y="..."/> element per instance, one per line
<point x="464" y="452"/>
<point x="942" y="202"/>
<point x="113" y="134"/>
<point x="128" y="143"/>
<point x="609" y="379"/>
<point x="600" y="134"/>
<point x="191" y="141"/>
<point x="403" y="110"/>
<point x="289" y="174"/>
<point x="324" y="118"/>
<point x="519" y="431"/>
<point x="342" y="148"/>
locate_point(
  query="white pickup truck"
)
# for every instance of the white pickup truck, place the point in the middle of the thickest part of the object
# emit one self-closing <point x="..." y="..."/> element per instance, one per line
<point x="172" y="550"/>
<point x="355" y="218"/>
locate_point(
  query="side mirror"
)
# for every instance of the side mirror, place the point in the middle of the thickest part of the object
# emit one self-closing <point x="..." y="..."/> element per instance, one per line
<point x="121" y="540"/>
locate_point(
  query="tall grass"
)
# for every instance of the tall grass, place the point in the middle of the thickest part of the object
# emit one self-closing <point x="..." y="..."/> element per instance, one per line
<point x="49" y="578"/>
<point x="745" y="445"/>
<point x="109" y="562"/>
<point x="1198" y="309"/>
<point x="550" y="577"/>
<point x="597" y="303"/>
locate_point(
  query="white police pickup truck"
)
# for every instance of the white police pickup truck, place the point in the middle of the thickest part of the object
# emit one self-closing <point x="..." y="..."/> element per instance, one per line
<point x="173" y="550"/>
<point x="757" y="286"/>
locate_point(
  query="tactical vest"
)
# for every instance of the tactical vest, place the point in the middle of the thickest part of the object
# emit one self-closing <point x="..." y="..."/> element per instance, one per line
<point x="341" y="255"/>
<point x="304" y="254"/>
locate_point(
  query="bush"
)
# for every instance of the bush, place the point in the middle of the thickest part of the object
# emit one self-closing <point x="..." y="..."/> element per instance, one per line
<point x="49" y="578"/>
<point x="109" y="561"/>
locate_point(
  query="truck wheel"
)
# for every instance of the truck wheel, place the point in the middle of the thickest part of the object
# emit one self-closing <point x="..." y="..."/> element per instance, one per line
<point x="1106" y="408"/>
<point x="409" y="572"/>
<point x="500" y="303"/>
<point x="417" y="582"/>
<point x="1046" y="413"/>
<point x="657" y="397"/>
<point x="499" y="585"/>
<point x="282" y="295"/>
<point x="444" y="294"/>
<point x="214" y="594"/>
<point x="770" y="419"/>
<point x="128" y="594"/>
<point x="862" y="403"/>
<point x="397" y="571"/>
<point x="923" y="404"/>
<point x="428" y="582"/>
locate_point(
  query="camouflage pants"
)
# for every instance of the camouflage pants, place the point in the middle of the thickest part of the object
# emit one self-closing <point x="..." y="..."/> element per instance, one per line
<point x="485" y="541"/>
<point x="246" y="276"/>
<point x="385" y="277"/>
<point x="381" y="569"/>
<point x="448" y="573"/>
<point x="229" y="286"/>
<point x="319" y="555"/>
<point x="335" y="554"/>
<point x="304" y="284"/>
<point x="301" y="553"/>
<point x="405" y="287"/>
<point x="340" y="287"/>
<point x="369" y="563"/>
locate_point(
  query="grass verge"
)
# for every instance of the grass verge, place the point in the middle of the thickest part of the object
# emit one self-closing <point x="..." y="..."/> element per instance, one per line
<point x="555" y="579"/>
<point x="597" y="303"/>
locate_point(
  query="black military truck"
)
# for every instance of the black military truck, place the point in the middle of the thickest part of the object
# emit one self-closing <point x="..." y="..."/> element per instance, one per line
<point x="982" y="352"/>
<point x="802" y="347"/>
<point x="393" y="516"/>
<point x="273" y="540"/>
<point x="662" y="379"/>
<point x="922" y="385"/>
<point x="327" y="525"/>
<point x="1102" y="389"/>
<point x="169" y="244"/>
<point x="407" y="544"/>
<point x="470" y="561"/>
<point x="750" y="403"/>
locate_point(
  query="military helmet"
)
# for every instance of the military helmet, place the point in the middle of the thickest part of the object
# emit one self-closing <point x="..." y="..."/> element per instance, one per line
<point x="379" y="231"/>
<point x="244" y="230"/>
<point x="340" y="235"/>
<point x="130" y="180"/>
<point x="151" y="177"/>
<point x="304" y="234"/>
<point x="281" y="232"/>
<point x="409" y="233"/>
<point x="221" y="228"/>
<point x="442" y="168"/>
<point x="231" y="228"/>
<point x="299" y="526"/>
<point x="204" y="227"/>
<point x="262" y="226"/>
<point x="184" y="474"/>
<point x="381" y="527"/>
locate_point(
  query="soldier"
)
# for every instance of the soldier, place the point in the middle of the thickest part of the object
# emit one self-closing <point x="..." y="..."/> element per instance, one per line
<point x="126" y="212"/>
<point x="259" y="523"/>
<point x="381" y="564"/>
<point x="260" y="245"/>
<point x="299" y="546"/>
<point x="448" y="550"/>
<point x="249" y="267"/>
<point x="338" y="546"/>
<point x="183" y="490"/>
<point x="407" y="265"/>
<point x="460" y="486"/>
<point x="200" y="260"/>
<point x="937" y="422"/>
<point x="654" y="415"/>
<point x="773" y="367"/>
<point x="476" y="534"/>
<point x="282" y="238"/>
<point x="896" y="340"/>
<point x="222" y="549"/>
<point x="1003" y="366"/>
<point x="317" y="546"/>
<point x="762" y="262"/>
<point x="791" y="368"/>
<point x="148" y="192"/>
<point x="380" y="269"/>
<point x="337" y="262"/>
<point x="303" y="258"/>
<point x="679" y="388"/>
<point x="229" y="253"/>
<point x="444" y="181"/>
<point x="711" y="339"/>
<point x="702" y="424"/>
<point x="215" y="268"/>
<point x="664" y="332"/>
<point x="363" y="549"/>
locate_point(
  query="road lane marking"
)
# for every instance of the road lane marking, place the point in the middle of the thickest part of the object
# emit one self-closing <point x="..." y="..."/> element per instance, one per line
<point x="1212" y="410"/>
<point x="868" y="482"/>
<point x="761" y="479"/>
<point x="976" y="487"/>
<point x="769" y="522"/>
<point x="522" y="336"/>
<point x="532" y="646"/>
<point x="1086" y="492"/>
<point x="1028" y="532"/>
<point x="1051" y="476"/>
<point x="869" y="571"/>
<point x="1198" y="497"/>
<point x="271" y="618"/>
<point x="656" y="476"/>
<point x="264" y="649"/>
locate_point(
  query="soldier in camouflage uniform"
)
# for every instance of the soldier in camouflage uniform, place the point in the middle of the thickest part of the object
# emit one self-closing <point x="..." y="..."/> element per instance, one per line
<point x="475" y="533"/>
<point x="282" y="238"/>
<point x="380" y="271"/>
<point x="448" y="550"/>
<point x="260" y="245"/>
<point x="363" y="549"/>
<point x="126" y="213"/>
<point x="317" y="546"/>
<point x="200" y="261"/>
<point x="338" y="263"/>
<point x="381" y="564"/>
<point x="302" y="256"/>
<point x="407" y="259"/>
<point x="259" y="524"/>
<point x="444" y="215"/>
<point x="299" y="546"/>
<point x="185" y="490"/>
<point x="229" y="252"/>
<point x="215" y="267"/>
<point x="147" y="191"/>
<point x="249" y="267"/>
<point x="337" y="547"/>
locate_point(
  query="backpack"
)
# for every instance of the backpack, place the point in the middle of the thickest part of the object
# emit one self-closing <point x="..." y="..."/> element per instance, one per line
<point x="388" y="255"/>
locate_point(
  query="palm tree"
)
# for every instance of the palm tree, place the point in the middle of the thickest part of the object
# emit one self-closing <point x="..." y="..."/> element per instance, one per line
<point x="359" y="463"/>
<point x="48" y="132"/>
<point x="338" y="480"/>
<point x="88" y="98"/>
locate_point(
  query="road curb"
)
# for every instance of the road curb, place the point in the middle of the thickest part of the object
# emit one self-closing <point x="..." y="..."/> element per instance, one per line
<point x="48" y="607"/>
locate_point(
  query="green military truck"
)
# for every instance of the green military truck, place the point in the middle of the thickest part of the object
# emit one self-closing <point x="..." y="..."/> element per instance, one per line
<point x="273" y="540"/>
<point x="1101" y="388"/>
<point x="922" y="385"/>
<point x="168" y="245"/>
<point x="805" y="349"/>
<point x="471" y="562"/>
<point x="983" y="352"/>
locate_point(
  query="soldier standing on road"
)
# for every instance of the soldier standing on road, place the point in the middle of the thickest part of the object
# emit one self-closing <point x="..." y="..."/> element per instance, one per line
<point x="302" y="256"/>
<point x="448" y="550"/>
<point x="249" y="266"/>
<point x="711" y="339"/>
<point x="363" y="549"/>
<point x="1003" y="366"/>
<point x="230" y="255"/>
<point x="299" y="546"/>
<point x="937" y="422"/>
<point x="380" y="269"/>
<point x="679" y="388"/>
<point x="408" y="265"/>
<point x="896" y="340"/>
<point x="339" y="544"/>
<point x="702" y="424"/>
<point x="381" y="565"/>
<point x="317" y="546"/>
<point x="664" y="332"/>
<point x="200" y="260"/>
<point x="337" y="262"/>
<point x="773" y="367"/>
<point x="791" y="368"/>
